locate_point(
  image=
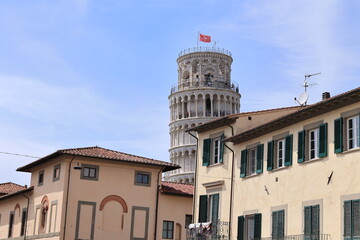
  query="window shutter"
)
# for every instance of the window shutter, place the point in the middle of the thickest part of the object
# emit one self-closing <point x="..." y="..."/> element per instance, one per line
<point x="338" y="135"/>
<point x="257" y="228"/>
<point x="347" y="220"/>
<point x="215" y="208"/>
<point x="315" y="220"/>
<point x="281" y="223"/>
<point x="288" y="150"/>
<point x="221" y="159"/>
<point x="323" y="142"/>
<point x="307" y="221"/>
<point x="355" y="218"/>
<point x="206" y="152"/>
<point x="259" y="158"/>
<point x="240" y="232"/>
<point x="203" y="208"/>
<point x="270" y="155"/>
<point x="243" y="163"/>
<point x="275" y="225"/>
<point x="301" y="146"/>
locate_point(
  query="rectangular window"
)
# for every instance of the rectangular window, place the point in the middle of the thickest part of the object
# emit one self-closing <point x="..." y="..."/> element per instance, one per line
<point x="188" y="220"/>
<point x="353" y="132"/>
<point x="352" y="220"/>
<point x="280" y="153"/>
<point x="312" y="222"/>
<point x="11" y="225"/>
<point x="168" y="230"/>
<point x="313" y="143"/>
<point x="209" y="208"/>
<point x="143" y="178"/>
<point x="23" y="222"/>
<point x="278" y="225"/>
<point x="56" y="172"/>
<point x="89" y="172"/>
<point x="213" y="150"/>
<point x="41" y="178"/>
<point x="252" y="161"/>
<point x="249" y="227"/>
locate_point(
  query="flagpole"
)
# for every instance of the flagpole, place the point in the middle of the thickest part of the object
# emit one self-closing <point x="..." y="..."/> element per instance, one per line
<point x="197" y="40"/>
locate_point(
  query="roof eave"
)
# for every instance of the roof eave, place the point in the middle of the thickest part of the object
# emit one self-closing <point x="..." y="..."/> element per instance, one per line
<point x="17" y="193"/>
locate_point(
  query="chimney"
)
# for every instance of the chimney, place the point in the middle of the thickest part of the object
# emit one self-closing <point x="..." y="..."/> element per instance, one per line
<point x="325" y="95"/>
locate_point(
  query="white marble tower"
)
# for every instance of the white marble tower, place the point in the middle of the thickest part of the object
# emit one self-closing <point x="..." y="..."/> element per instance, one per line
<point x="204" y="92"/>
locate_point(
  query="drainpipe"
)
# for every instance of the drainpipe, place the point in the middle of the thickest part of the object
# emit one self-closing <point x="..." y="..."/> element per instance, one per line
<point x="27" y="215"/>
<point x="232" y="182"/>
<point x="195" y="174"/>
<point x="67" y="198"/>
<point x="157" y="201"/>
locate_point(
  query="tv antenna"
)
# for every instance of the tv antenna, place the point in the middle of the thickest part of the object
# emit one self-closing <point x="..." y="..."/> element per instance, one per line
<point x="303" y="98"/>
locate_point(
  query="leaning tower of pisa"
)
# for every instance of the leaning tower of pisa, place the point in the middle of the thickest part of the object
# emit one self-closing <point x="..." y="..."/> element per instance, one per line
<point x="204" y="92"/>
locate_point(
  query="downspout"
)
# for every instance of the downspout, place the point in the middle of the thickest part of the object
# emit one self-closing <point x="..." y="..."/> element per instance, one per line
<point x="157" y="201"/>
<point x="67" y="198"/>
<point x="195" y="174"/>
<point x="232" y="182"/>
<point x="27" y="215"/>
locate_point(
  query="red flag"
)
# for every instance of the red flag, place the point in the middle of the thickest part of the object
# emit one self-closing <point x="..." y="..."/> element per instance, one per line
<point x="204" y="38"/>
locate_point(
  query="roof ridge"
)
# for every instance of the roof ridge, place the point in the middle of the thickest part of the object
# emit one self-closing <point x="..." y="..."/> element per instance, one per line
<point x="12" y="183"/>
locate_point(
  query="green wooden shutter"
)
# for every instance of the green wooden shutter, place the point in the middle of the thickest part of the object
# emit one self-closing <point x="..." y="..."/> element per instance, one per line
<point x="221" y="157"/>
<point x="323" y="142"/>
<point x="301" y="146"/>
<point x="203" y="208"/>
<point x="243" y="163"/>
<point x="288" y="150"/>
<point x="215" y="208"/>
<point x="355" y="207"/>
<point x="257" y="228"/>
<point x="270" y="155"/>
<point x="275" y="225"/>
<point x="347" y="220"/>
<point x="259" y="158"/>
<point x="338" y="135"/>
<point x="206" y="152"/>
<point x="315" y="220"/>
<point x="240" y="230"/>
<point x="307" y="221"/>
<point x="281" y="223"/>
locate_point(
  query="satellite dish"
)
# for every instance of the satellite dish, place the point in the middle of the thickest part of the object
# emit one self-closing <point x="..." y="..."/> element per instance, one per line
<point x="303" y="98"/>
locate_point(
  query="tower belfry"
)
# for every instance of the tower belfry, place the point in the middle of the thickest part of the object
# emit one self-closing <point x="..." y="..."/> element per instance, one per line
<point x="204" y="92"/>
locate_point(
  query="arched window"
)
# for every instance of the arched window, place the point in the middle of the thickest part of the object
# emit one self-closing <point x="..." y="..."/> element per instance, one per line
<point x="43" y="216"/>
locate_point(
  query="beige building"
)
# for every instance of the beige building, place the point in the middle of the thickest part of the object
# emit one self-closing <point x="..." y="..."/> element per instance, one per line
<point x="95" y="193"/>
<point x="290" y="176"/>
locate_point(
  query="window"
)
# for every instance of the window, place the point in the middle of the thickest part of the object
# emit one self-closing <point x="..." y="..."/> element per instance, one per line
<point x="279" y="152"/>
<point x="278" y="225"/>
<point x="209" y="208"/>
<point x="188" y="220"/>
<point x="23" y="221"/>
<point x="348" y="139"/>
<point x="353" y="132"/>
<point x="41" y="178"/>
<point x="213" y="150"/>
<point x="89" y="172"/>
<point x="252" y="160"/>
<point x="143" y="178"/>
<point x="56" y="173"/>
<point x="168" y="230"/>
<point x="312" y="143"/>
<point x="352" y="219"/>
<point x="249" y="227"/>
<point x="312" y="222"/>
<point x="11" y="224"/>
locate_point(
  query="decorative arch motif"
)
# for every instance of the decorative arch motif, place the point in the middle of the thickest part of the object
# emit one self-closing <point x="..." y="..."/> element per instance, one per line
<point x="114" y="198"/>
<point x="17" y="206"/>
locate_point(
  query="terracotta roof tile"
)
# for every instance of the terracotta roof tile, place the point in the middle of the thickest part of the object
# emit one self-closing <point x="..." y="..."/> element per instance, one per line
<point x="177" y="188"/>
<point x="99" y="152"/>
<point x="9" y="188"/>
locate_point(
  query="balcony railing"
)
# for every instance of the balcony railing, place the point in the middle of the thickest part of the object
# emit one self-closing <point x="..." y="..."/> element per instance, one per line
<point x="205" y="49"/>
<point x="299" y="237"/>
<point x="215" y="231"/>
<point x="210" y="84"/>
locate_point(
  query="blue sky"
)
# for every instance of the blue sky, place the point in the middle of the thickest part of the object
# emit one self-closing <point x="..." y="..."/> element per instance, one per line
<point x="84" y="73"/>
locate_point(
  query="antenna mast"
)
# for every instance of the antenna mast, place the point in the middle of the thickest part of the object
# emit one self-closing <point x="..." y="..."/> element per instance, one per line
<point x="302" y="100"/>
<point x="306" y="85"/>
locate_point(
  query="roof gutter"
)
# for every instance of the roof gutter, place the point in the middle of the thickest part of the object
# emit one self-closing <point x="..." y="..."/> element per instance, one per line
<point x="157" y="201"/>
<point x="232" y="182"/>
